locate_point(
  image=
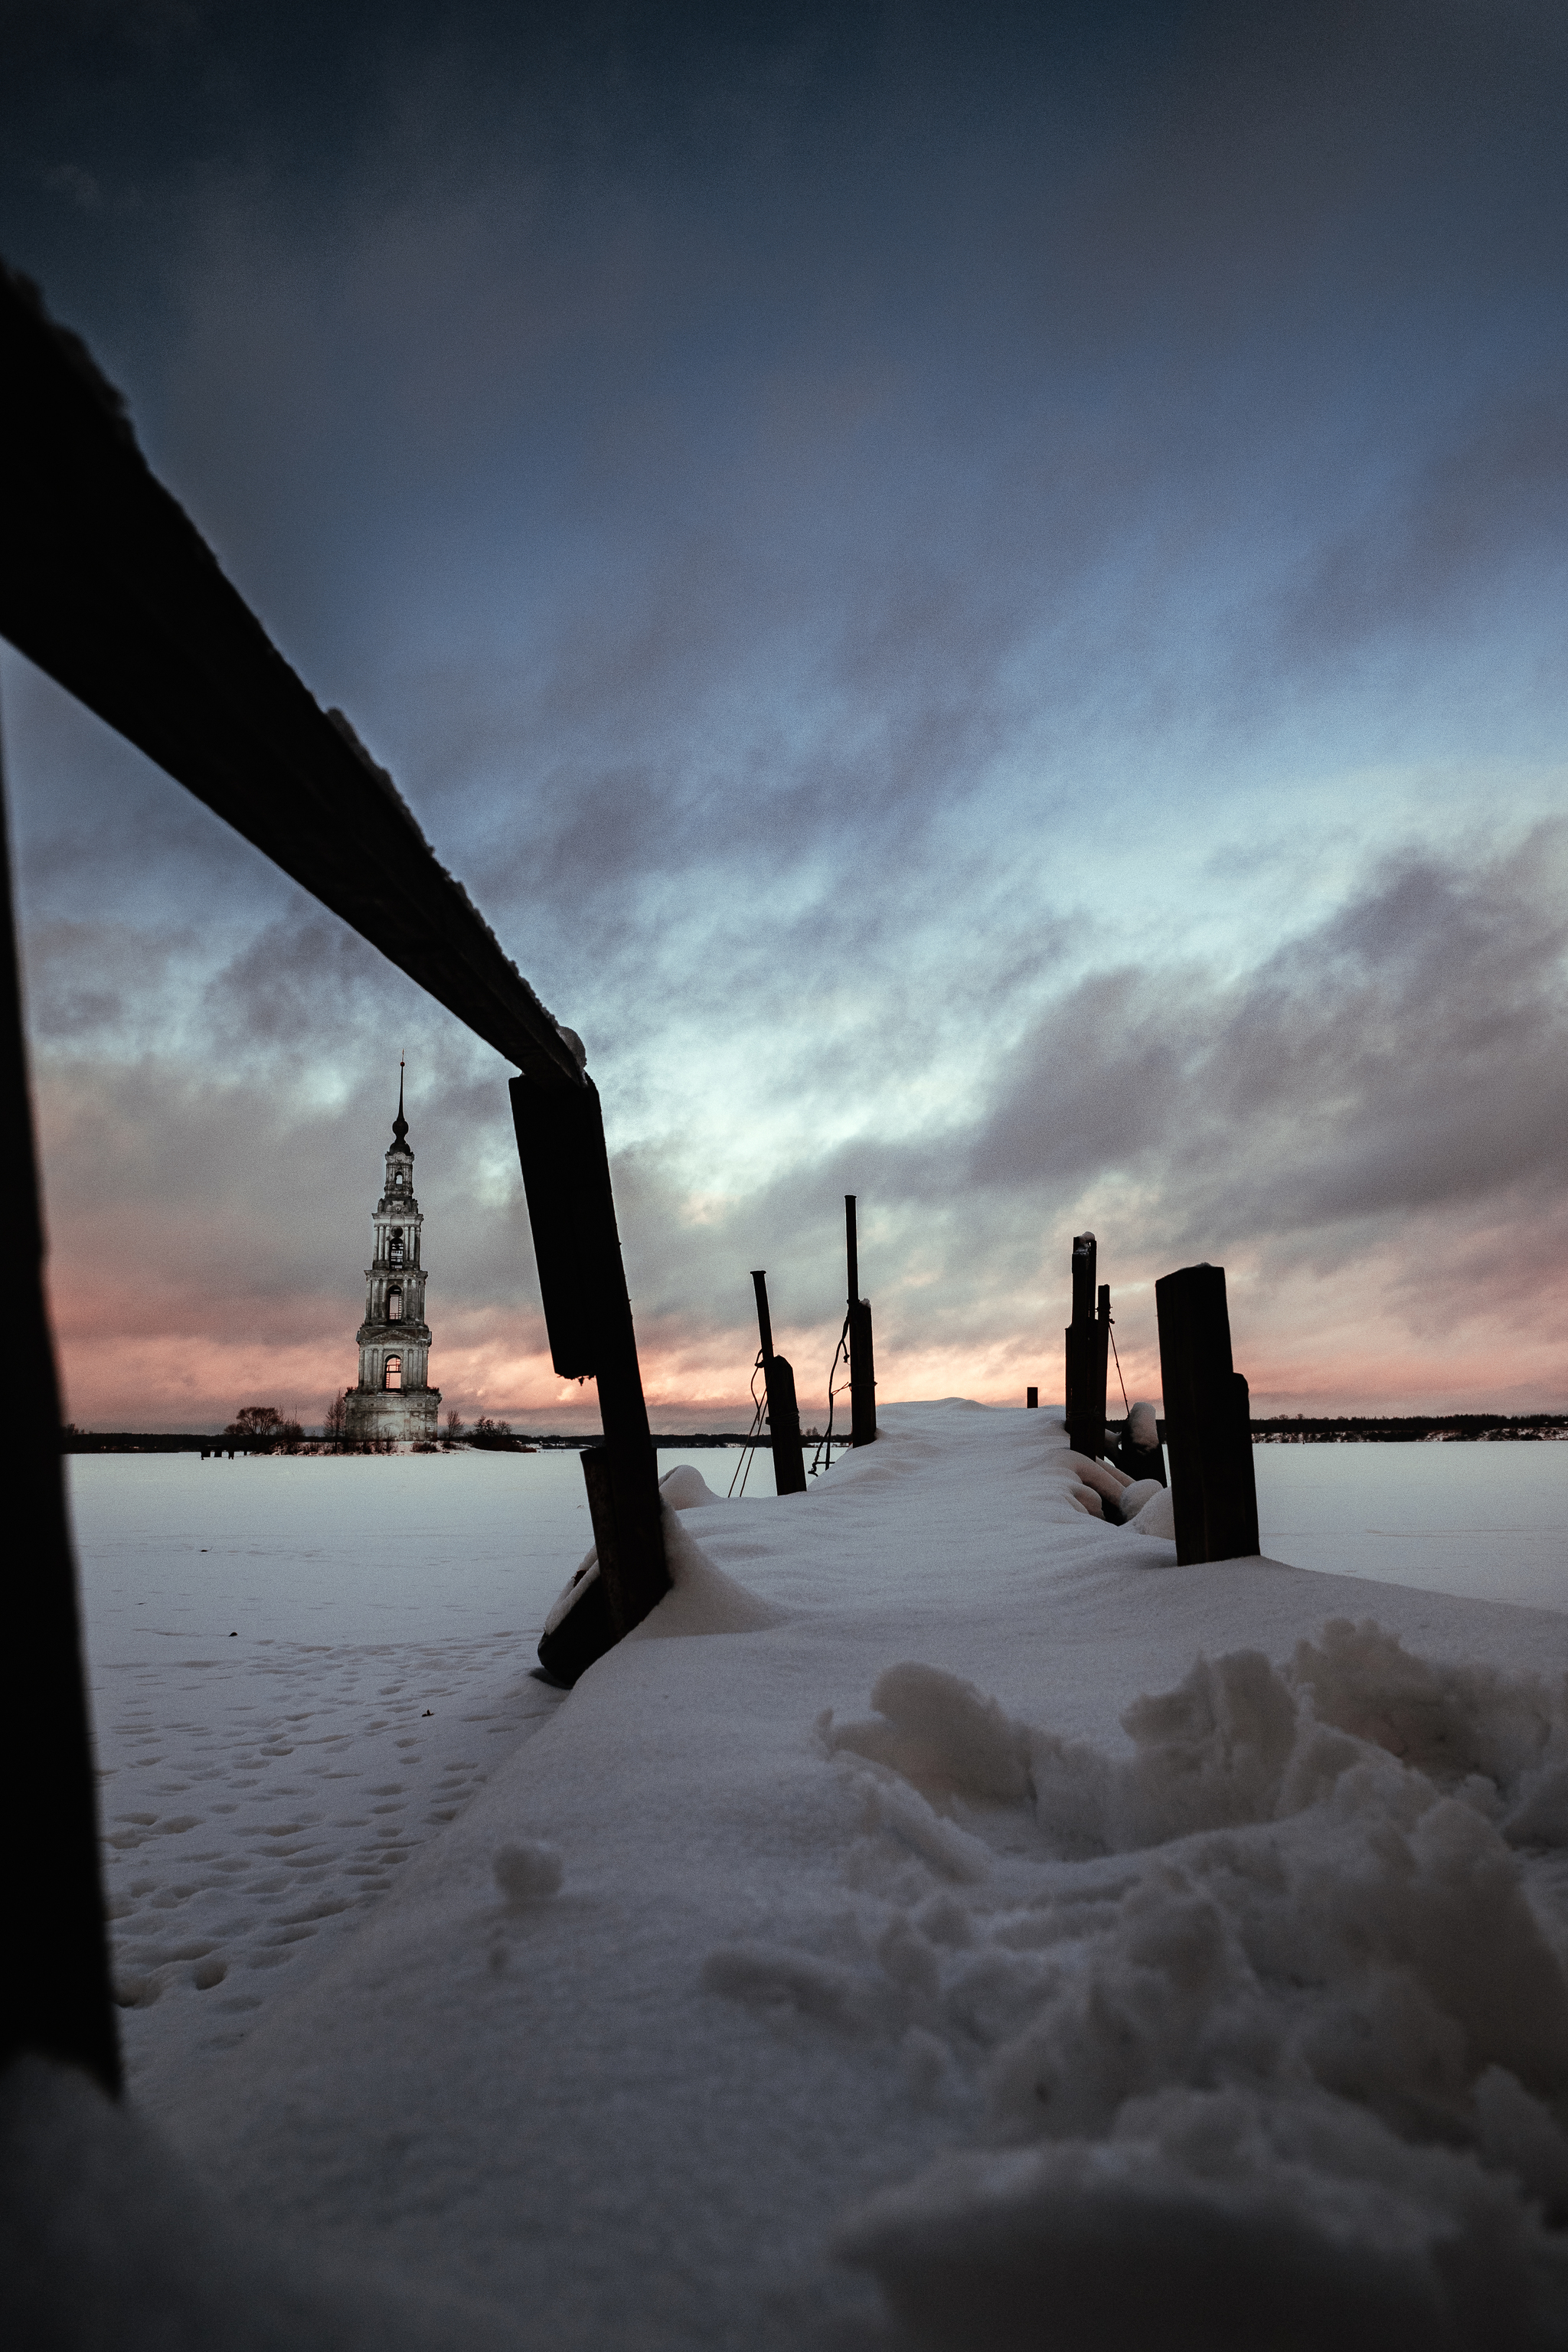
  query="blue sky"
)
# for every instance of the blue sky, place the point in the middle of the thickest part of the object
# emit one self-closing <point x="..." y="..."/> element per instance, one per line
<point x="978" y="596"/>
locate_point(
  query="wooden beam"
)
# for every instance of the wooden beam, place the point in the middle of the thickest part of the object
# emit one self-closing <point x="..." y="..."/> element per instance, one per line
<point x="764" y="1320"/>
<point x="588" y="1317"/>
<point x="57" y="1968"/>
<point x="107" y="586"/>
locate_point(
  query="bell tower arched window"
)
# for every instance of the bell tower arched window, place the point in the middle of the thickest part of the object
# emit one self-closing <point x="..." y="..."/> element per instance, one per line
<point x="393" y="1376"/>
<point x="394" y="1305"/>
<point x="395" y="1247"/>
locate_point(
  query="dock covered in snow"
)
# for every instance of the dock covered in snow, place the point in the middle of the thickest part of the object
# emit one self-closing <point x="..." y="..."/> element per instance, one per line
<point x="946" y="1921"/>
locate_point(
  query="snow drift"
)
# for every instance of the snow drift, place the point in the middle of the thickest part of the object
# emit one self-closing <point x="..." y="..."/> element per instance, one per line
<point x="1272" y="2030"/>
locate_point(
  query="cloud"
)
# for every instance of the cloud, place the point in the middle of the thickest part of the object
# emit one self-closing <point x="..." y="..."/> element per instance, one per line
<point x="887" y="548"/>
<point x="1485" y="513"/>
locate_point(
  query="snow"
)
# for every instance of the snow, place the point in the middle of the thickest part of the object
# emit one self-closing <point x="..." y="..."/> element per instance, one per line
<point x="1489" y="1521"/>
<point x="986" y="1927"/>
<point x="302" y="1668"/>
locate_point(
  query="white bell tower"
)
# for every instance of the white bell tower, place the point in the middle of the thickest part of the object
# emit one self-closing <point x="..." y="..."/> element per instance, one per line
<point x="393" y="1398"/>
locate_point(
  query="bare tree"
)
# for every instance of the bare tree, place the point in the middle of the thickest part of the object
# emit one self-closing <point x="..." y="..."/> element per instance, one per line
<point x="256" y="1425"/>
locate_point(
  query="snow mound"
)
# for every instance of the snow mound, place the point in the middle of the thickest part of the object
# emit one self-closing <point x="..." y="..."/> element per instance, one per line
<point x="1264" y="2022"/>
<point x="685" y="1488"/>
<point x="108" y="2244"/>
<point x="702" y="1597"/>
<point x="1147" y="1506"/>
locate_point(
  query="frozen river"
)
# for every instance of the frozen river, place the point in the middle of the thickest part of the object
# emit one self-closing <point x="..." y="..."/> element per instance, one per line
<point x="302" y="1669"/>
<point x="1486" y="1522"/>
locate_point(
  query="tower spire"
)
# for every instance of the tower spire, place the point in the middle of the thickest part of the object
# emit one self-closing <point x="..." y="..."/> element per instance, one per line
<point x="399" y="1125"/>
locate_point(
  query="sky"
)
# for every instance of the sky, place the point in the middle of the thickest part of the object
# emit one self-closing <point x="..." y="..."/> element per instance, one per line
<point x="975" y="593"/>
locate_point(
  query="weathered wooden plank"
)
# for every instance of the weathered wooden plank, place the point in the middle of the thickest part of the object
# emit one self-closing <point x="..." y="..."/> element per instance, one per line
<point x="106" y="584"/>
<point x="588" y="1317"/>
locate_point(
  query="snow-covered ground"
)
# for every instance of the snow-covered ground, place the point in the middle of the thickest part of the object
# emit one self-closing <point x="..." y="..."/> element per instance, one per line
<point x="965" y="1928"/>
<point x="1487" y="1521"/>
<point x="302" y="1668"/>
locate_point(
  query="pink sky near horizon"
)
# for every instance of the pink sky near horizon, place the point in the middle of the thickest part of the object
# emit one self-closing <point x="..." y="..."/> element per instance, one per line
<point x="197" y="1381"/>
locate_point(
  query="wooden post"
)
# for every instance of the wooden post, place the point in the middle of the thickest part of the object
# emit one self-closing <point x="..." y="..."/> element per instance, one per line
<point x="588" y="1316"/>
<point x="764" y="1320"/>
<point x="1100" y="1359"/>
<point x="784" y="1412"/>
<point x="1082" y="1344"/>
<point x="1208" y="1435"/>
<point x="56" y="1995"/>
<point x="862" y="1362"/>
<point x="1031" y="1399"/>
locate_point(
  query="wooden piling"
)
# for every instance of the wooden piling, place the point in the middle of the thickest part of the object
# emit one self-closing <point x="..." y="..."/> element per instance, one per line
<point x="1085" y="1353"/>
<point x="588" y="1317"/>
<point x="784" y="1412"/>
<point x="58" y="1987"/>
<point x="1031" y="1400"/>
<point x="764" y="1320"/>
<point x="862" y="1362"/>
<point x="1208" y="1435"/>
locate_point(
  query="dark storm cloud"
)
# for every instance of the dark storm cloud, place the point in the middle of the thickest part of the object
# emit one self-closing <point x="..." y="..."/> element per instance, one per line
<point x="1409" y="1053"/>
<point x="798" y="409"/>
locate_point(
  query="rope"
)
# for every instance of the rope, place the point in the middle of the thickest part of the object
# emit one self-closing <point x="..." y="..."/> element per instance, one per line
<point x="743" y="1469"/>
<point x="1110" y="1323"/>
<point x="842" y="1349"/>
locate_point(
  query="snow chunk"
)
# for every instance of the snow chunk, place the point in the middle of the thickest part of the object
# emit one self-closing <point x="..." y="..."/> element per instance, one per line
<point x="940" y="1733"/>
<point x="527" y="1872"/>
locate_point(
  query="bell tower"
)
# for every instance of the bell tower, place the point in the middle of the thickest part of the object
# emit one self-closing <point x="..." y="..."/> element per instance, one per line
<point x="393" y="1398"/>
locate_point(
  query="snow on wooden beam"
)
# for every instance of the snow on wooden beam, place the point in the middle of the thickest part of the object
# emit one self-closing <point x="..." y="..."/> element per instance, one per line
<point x="107" y="586"/>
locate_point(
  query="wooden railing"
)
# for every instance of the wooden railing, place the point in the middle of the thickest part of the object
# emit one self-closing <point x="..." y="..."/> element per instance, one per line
<point x="107" y="586"/>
